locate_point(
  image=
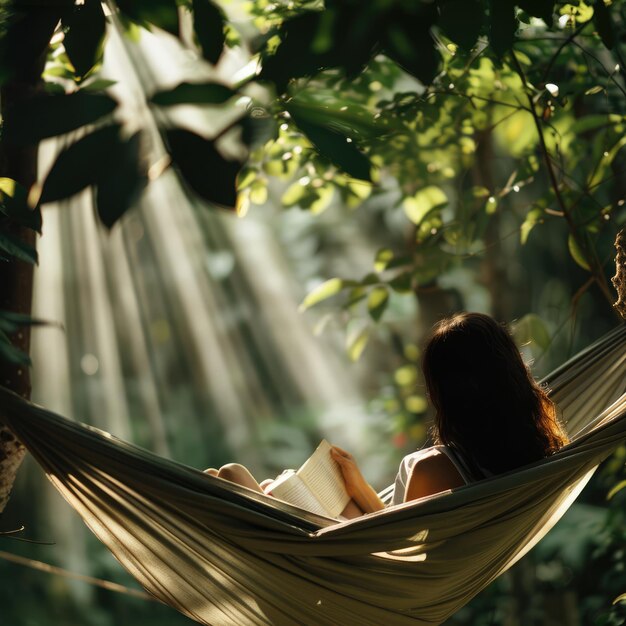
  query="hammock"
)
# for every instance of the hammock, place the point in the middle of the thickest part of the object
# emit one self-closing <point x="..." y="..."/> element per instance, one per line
<point x="227" y="556"/>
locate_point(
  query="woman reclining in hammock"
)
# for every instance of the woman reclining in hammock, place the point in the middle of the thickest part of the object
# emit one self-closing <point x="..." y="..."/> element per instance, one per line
<point x="490" y="417"/>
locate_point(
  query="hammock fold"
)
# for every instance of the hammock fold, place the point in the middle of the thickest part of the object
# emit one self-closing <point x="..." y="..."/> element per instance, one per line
<point x="224" y="555"/>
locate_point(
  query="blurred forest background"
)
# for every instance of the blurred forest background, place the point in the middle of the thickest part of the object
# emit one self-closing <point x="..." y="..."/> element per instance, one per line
<point x="385" y="164"/>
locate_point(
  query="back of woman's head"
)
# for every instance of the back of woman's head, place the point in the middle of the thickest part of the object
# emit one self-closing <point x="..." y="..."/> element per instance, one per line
<point x="486" y="401"/>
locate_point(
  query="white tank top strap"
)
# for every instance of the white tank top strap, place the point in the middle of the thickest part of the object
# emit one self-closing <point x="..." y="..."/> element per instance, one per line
<point x="458" y="462"/>
<point x="406" y="466"/>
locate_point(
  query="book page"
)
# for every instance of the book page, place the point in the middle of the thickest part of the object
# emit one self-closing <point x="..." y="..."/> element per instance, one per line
<point x="322" y="475"/>
<point x="290" y="488"/>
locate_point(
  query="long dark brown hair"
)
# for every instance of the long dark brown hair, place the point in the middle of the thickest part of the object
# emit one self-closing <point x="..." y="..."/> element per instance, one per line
<point x="487" y="404"/>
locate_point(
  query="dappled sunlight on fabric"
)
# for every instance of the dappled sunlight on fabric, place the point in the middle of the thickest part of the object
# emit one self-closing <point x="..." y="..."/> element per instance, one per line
<point x="413" y="553"/>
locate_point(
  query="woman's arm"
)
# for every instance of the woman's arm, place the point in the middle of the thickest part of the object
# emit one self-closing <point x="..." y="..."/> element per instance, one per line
<point x="432" y="474"/>
<point x="359" y="489"/>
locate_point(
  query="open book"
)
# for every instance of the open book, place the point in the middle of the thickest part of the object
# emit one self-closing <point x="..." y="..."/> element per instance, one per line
<point x="317" y="486"/>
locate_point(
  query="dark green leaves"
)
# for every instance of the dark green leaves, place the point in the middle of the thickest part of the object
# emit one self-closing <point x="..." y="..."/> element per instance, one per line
<point x="48" y="116"/>
<point x="324" y="291"/>
<point x="13" y="246"/>
<point x="538" y="8"/>
<point x="409" y="43"/>
<point x="335" y="37"/>
<point x="105" y="160"/>
<point x="503" y="26"/>
<point x="462" y="21"/>
<point x="85" y="29"/>
<point x="194" y="93"/>
<point x="377" y="302"/>
<point x="14" y="204"/>
<point x="120" y="185"/>
<point x="208" y="24"/>
<point x="335" y="146"/>
<point x="203" y="168"/>
<point x="161" y="13"/>
<point x="81" y="164"/>
<point x="346" y="36"/>
<point x="603" y="23"/>
<point x="10" y="323"/>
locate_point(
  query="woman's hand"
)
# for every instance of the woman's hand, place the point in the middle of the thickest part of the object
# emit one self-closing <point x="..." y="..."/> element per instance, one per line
<point x="352" y="476"/>
<point x="356" y="486"/>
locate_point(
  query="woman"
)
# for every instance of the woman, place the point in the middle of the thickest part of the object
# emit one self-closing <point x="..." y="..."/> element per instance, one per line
<point x="490" y="417"/>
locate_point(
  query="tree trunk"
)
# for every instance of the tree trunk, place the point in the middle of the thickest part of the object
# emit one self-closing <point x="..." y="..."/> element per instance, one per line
<point x="24" y="54"/>
<point x="493" y="271"/>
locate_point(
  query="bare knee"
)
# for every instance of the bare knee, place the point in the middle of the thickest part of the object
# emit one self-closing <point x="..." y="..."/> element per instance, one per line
<point x="234" y="472"/>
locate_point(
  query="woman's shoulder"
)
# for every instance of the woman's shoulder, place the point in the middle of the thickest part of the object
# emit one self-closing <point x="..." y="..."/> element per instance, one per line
<point x="439" y="458"/>
<point x="424" y="455"/>
<point x="433" y="471"/>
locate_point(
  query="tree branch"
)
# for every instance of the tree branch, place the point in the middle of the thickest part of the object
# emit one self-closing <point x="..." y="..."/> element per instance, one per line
<point x="595" y="267"/>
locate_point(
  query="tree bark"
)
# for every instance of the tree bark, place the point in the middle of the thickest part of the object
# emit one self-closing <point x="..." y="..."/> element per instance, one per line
<point x="23" y="54"/>
<point x="493" y="271"/>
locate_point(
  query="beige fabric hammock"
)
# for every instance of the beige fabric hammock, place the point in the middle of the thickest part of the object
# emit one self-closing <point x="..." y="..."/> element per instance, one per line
<point x="226" y="556"/>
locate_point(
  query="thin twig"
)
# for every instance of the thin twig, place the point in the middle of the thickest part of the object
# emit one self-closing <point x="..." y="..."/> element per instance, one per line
<point x="591" y="257"/>
<point x="452" y="92"/>
<point x="560" y="49"/>
<point x="98" y="582"/>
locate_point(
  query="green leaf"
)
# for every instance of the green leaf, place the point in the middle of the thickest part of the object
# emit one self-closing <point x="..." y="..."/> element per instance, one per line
<point x="503" y="26"/>
<point x="322" y="292"/>
<point x="294" y="193"/>
<point x="462" y="21"/>
<point x="85" y="29"/>
<point x="413" y="50"/>
<point x="194" y="93"/>
<point x="324" y="197"/>
<point x="377" y="302"/>
<point x="355" y="295"/>
<point x="538" y="8"/>
<point x="406" y="375"/>
<point x="10" y="322"/>
<point x="160" y="13"/>
<point x="335" y="146"/>
<point x="603" y="23"/>
<point x="338" y="113"/>
<point x="402" y="283"/>
<point x="370" y="279"/>
<point x="619" y="599"/>
<point x="121" y="183"/>
<point x="593" y="90"/>
<point x="428" y="199"/>
<point x="614" y="491"/>
<point x="258" y="127"/>
<point x="203" y="168"/>
<point x="11" y="354"/>
<point x="534" y="217"/>
<point x="383" y="258"/>
<point x="52" y="115"/>
<point x="356" y="342"/>
<point x="532" y="329"/>
<point x="14" y="204"/>
<point x="316" y="40"/>
<point x="14" y="246"/>
<point x="81" y="164"/>
<point x="576" y="253"/>
<point x="208" y="24"/>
